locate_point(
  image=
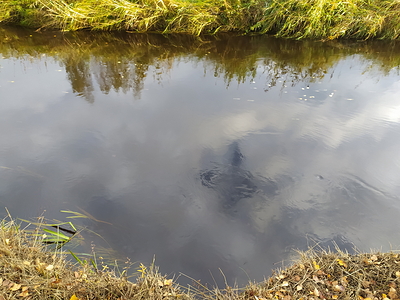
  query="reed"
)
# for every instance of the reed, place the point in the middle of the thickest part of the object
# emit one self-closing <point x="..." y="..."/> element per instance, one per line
<point x="332" y="19"/>
<point x="315" y="19"/>
<point x="194" y="17"/>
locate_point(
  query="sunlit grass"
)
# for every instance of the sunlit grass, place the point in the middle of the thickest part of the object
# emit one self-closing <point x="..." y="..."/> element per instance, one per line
<point x="194" y="17"/>
<point x="331" y="19"/>
<point x="316" y="19"/>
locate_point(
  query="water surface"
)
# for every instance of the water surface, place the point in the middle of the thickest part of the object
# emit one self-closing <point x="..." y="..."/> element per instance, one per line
<point x="209" y="153"/>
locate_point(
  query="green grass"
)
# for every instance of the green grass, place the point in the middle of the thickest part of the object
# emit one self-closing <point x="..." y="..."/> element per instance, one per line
<point x="315" y="19"/>
<point x="331" y="19"/>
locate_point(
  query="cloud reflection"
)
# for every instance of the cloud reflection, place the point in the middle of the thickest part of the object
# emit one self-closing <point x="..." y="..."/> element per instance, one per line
<point x="332" y="163"/>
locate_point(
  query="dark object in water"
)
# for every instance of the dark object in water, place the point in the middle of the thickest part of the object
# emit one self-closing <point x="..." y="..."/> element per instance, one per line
<point x="72" y="232"/>
<point x="236" y="156"/>
<point x="232" y="182"/>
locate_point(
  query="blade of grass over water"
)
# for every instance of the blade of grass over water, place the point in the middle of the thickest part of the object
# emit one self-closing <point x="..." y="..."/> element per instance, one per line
<point x="84" y="215"/>
<point x="315" y="19"/>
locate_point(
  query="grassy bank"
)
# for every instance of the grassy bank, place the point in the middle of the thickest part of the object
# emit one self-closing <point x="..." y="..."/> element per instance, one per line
<point x="29" y="270"/>
<point x="316" y="19"/>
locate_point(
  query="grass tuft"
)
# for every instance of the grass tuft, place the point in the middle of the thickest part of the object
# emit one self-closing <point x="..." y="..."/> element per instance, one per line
<point x="331" y="19"/>
<point x="333" y="275"/>
<point x="299" y="19"/>
<point x="30" y="270"/>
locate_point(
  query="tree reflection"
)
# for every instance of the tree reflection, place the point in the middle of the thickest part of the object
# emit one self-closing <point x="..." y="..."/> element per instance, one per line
<point x="79" y="75"/>
<point x="121" y="62"/>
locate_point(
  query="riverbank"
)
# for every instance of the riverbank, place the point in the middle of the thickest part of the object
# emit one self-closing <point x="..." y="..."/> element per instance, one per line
<point x="299" y="19"/>
<point x="29" y="270"/>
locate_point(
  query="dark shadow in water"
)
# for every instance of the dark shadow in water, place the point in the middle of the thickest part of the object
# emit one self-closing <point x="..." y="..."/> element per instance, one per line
<point x="232" y="182"/>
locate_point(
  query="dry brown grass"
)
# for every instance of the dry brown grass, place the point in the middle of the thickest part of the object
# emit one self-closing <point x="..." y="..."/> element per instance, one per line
<point x="29" y="270"/>
<point x="333" y="275"/>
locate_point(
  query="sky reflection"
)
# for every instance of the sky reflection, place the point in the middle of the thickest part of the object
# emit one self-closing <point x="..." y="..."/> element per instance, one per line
<point x="328" y="145"/>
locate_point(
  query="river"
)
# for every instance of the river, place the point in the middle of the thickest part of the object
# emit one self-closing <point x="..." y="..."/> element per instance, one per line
<point x="218" y="156"/>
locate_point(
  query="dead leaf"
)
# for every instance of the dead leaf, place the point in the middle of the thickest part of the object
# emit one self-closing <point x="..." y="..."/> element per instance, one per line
<point x="24" y="294"/>
<point x="167" y="282"/>
<point x="344" y="281"/>
<point x="297" y="278"/>
<point x="316" y="266"/>
<point x="49" y="267"/>
<point x="6" y="282"/>
<point x="338" y="288"/>
<point x="374" y="258"/>
<point x="316" y="279"/>
<point x="279" y="294"/>
<point x="15" y="287"/>
<point x="299" y="287"/>
<point x="316" y="292"/>
<point x="74" y="297"/>
<point x="397" y="274"/>
<point x="341" y="263"/>
<point x="56" y="281"/>
<point x="365" y="283"/>
<point x="392" y="293"/>
<point x="285" y="283"/>
<point x="366" y="261"/>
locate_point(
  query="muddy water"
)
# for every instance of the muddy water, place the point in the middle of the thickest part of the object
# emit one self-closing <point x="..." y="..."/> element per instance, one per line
<point x="212" y="153"/>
